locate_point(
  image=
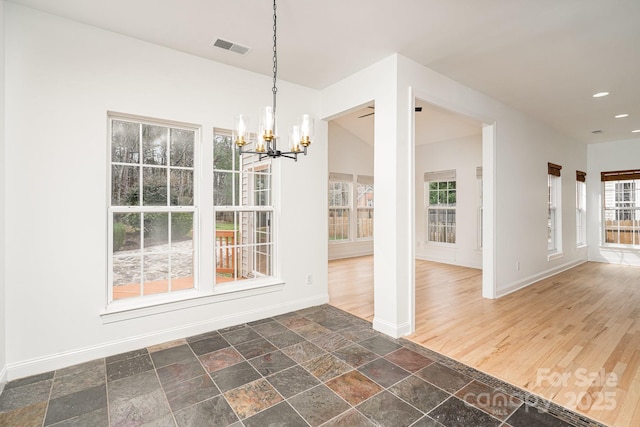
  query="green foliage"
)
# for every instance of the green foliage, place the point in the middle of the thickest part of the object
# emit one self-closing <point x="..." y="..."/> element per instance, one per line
<point x="181" y="225"/>
<point x="119" y="234"/>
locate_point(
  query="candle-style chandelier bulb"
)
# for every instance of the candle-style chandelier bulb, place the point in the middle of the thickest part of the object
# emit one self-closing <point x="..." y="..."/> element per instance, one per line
<point x="306" y="130"/>
<point x="242" y="128"/>
<point x="294" y="139"/>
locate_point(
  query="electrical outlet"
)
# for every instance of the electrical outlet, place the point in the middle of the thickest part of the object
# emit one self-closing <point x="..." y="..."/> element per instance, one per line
<point x="309" y="279"/>
<point x="518" y="265"/>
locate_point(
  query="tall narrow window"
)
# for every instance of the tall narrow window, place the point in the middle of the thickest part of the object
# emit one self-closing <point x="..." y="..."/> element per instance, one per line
<point x="554" y="212"/>
<point x="479" y="199"/>
<point x="243" y="209"/>
<point x="440" y="206"/>
<point x="340" y="191"/>
<point x="581" y="208"/>
<point x="621" y="207"/>
<point x="152" y="208"/>
<point x="364" y="205"/>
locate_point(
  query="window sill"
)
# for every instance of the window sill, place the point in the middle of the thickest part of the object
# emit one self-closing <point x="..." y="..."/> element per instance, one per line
<point x="141" y="307"/>
<point x="442" y="244"/>
<point x="555" y="255"/>
<point x="618" y="246"/>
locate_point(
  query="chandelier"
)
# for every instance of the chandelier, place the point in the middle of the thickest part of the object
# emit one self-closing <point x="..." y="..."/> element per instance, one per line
<point x="266" y="143"/>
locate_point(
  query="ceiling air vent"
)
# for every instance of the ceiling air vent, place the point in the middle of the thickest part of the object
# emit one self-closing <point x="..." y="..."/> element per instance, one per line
<point x="230" y="46"/>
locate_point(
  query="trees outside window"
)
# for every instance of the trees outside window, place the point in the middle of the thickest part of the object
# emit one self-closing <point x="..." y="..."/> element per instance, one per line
<point x="152" y="207"/>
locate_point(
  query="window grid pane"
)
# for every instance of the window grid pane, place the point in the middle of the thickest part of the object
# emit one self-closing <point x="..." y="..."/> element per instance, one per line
<point x="622" y="212"/>
<point x="244" y="244"/>
<point x="440" y="200"/>
<point x="152" y="248"/>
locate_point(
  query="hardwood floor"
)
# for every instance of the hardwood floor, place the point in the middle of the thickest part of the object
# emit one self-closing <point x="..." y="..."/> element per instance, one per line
<point x="573" y="338"/>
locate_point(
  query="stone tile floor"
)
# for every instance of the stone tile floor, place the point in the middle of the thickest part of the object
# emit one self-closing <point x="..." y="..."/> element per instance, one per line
<point x="317" y="366"/>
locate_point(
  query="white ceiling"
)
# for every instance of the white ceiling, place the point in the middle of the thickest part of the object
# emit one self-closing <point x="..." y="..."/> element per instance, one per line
<point x="544" y="57"/>
<point x="433" y="124"/>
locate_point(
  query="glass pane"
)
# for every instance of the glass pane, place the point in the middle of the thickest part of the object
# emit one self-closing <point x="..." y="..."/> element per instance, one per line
<point x="182" y="251"/>
<point x="182" y="231"/>
<point x="365" y="223"/>
<point x="262" y="193"/>
<point x="156" y="231"/>
<point x="226" y="251"/>
<point x="125" y="142"/>
<point x="125" y="188"/>
<point x="182" y="271"/>
<point x="433" y="197"/>
<point x="263" y="259"/>
<point x="127" y="275"/>
<point x="452" y="198"/>
<point x="181" y="187"/>
<point x="126" y="232"/>
<point x="224" y="156"/>
<point x="154" y="145"/>
<point x="154" y="186"/>
<point x="338" y="224"/>
<point x="262" y="227"/>
<point x="156" y="274"/>
<point x="182" y="147"/>
<point x="226" y="189"/>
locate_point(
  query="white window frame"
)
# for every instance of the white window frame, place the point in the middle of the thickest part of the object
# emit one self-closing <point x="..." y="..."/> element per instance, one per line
<point x="205" y="290"/>
<point x="554" y="217"/>
<point x="440" y="177"/>
<point x="112" y="210"/>
<point x="581" y="213"/>
<point x="479" y="208"/>
<point x="622" y="210"/>
<point x="365" y="182"/>
<point x="250" y="165"/>
<point x="343" y="179"/>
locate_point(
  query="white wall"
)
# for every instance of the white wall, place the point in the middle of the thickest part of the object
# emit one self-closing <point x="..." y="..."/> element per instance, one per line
<point x="62" y="78"/>
<point x="349" y="154"/>
<point x="463" y="155"/>
<point x="516" y="185"/>
<point x="608" y="156"/>
<point x="3" y="299"/>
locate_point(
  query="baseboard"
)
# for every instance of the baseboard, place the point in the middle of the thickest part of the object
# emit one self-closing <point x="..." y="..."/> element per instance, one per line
<point x="528" y="281"/>
<point x="60" y="360"/>
<point x="391" y="329"/>
<point x="3" y="378"/>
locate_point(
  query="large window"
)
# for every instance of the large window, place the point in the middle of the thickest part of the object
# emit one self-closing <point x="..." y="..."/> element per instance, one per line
<point x="364" y="205"/>
<point x="440" y="206"/>
<point x="554" y="211"/>
<point x="347" y="196"/>
<point x="621" y="207"/>
<point x="243" y="208"/>
<point x="581" y="208"/>
<point x="152" y="207"/>
<point x="156" y="226"/>
<point x="340" y="191"/>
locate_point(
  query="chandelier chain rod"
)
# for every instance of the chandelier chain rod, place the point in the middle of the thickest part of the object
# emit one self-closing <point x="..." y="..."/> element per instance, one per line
<point x="275" y="57"/>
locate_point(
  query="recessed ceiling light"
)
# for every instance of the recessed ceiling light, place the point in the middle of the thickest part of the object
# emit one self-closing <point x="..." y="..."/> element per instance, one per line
<point x="636" y="131"/>
<point x="600" y="94"/>
<point x="620" y="116"/>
